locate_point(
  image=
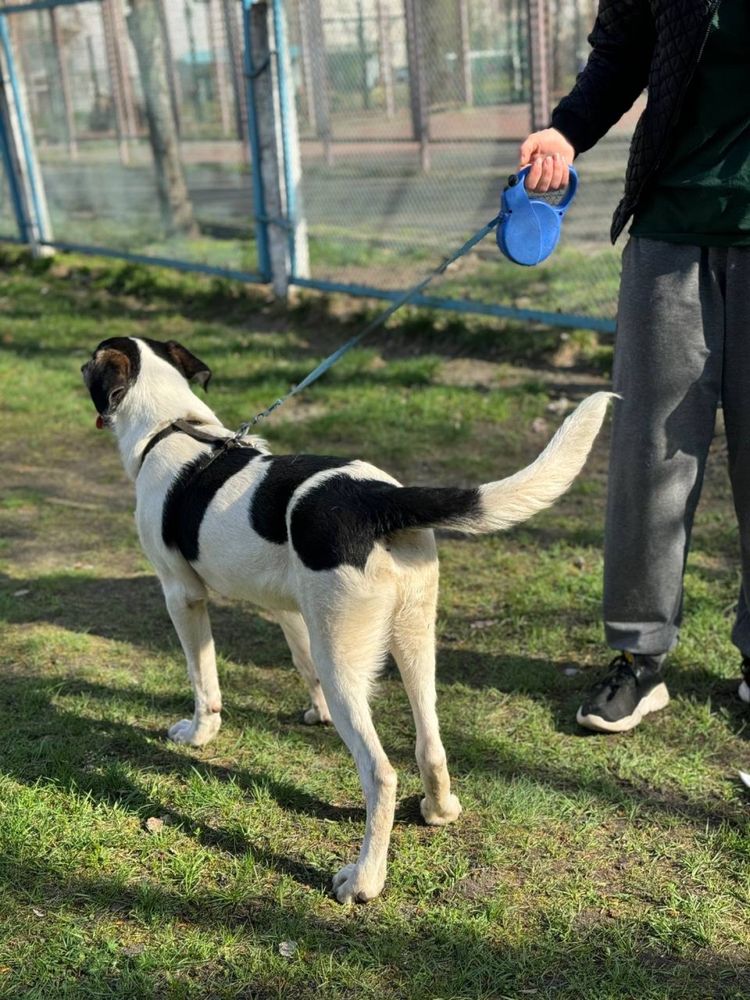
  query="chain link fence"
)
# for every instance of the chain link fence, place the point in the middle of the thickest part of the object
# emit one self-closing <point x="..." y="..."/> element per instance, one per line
<point x="95" y="75"/>
<point x="411" y="114"/>
<point x="404" y="120"/>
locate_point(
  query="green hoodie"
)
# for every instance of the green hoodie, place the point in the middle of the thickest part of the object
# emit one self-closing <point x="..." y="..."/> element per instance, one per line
<point x="701" y="194"/>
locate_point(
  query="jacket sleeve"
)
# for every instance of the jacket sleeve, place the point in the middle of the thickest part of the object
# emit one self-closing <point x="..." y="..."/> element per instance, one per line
<point x="615" y="74"/>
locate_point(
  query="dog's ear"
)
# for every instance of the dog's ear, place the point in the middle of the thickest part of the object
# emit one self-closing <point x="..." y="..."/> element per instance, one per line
<point x="110" y="373"/>
<point x="191" y="367"/>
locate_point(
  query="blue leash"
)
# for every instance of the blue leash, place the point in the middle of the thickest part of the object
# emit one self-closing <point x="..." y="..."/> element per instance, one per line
<point x="528" y="231"/>
<point x="378" y="321"/>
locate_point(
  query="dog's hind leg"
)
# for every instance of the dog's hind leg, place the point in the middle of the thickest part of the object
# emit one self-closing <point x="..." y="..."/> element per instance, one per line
<point x="295" y="631"/>
<point x="413" y="648"/>
<point x="348" y="647"/>
<point x="189" y="613"/>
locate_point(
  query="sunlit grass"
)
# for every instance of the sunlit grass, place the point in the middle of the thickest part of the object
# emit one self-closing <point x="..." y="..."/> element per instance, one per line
<point x="581" y="867"/>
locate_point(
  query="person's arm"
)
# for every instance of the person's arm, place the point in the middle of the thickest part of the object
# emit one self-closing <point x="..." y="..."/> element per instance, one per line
<point x="622" y="43"/>
<point x="616" y="72"/>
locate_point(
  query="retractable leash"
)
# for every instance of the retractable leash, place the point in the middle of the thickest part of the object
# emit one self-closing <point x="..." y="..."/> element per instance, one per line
<point x="528" y="230"/>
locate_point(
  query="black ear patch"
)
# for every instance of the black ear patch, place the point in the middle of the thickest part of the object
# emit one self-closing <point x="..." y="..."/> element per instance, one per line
<point x="110" y="373"/>
<point x="192" y="368"/>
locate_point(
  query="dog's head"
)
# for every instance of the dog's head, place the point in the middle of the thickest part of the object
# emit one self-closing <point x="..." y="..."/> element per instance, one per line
<point x="119" y="362"/>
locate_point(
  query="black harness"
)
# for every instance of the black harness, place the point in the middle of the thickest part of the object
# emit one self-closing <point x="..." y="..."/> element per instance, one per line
<point x="220" y="445"/>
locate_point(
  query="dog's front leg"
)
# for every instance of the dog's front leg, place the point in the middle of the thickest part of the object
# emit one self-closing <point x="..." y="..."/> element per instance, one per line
<point x="189" y="613"/>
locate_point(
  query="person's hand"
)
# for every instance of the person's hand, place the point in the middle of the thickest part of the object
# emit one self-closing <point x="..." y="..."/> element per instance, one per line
<point x="550" y="154"/>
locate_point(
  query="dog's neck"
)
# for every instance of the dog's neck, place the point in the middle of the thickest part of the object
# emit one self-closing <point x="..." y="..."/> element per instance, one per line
<point x="158" y="397"/>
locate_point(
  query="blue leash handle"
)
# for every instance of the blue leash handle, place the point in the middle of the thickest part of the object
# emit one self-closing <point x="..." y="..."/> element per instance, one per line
<point x="531" y="228"/>
<point x="528" y="230"/>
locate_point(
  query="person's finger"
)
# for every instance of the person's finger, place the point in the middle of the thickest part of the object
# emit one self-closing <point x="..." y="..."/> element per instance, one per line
<point x="527" y="150"/>
<point x="548" y="165"/>
<point x="558" y="168"/>
<point x="535" y="174"/>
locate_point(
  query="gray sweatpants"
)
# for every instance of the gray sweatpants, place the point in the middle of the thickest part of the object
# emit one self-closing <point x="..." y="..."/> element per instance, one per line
<point x="682" y="345"/>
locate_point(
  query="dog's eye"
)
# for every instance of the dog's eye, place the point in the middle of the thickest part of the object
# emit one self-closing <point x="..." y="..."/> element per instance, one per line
<point x="116" y="395"/>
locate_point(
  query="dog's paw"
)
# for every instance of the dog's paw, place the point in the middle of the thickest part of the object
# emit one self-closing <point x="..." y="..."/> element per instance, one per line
<point x="353" y="884"/>
<point x="313" y="717"/>
<point x="195" y="734"/>
<point x="441" y="815"/>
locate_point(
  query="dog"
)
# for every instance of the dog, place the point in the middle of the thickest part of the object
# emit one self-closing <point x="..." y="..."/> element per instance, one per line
<point x="339" y="551"/>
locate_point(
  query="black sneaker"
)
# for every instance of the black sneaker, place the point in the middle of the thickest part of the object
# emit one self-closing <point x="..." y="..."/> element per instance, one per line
<point x="632" y="688"/>
<point x="744" y="689"/>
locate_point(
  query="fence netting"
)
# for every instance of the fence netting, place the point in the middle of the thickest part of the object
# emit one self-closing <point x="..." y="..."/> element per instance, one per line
<point x="92" y="74"/>
<point x="409" y="115"/>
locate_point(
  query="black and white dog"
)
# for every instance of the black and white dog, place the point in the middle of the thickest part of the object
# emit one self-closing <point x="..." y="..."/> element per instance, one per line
<point x="342" y="554"/>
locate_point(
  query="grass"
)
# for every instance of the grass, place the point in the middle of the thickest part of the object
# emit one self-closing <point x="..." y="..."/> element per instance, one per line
<point x="582" y="866"/>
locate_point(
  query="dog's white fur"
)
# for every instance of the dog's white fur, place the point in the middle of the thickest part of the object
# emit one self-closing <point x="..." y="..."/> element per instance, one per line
<point x="340" y="623"/>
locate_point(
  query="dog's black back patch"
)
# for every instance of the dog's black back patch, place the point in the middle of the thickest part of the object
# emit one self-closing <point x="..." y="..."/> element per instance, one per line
<point x="192" y="490"/>
<point x="338" y="522"/>
<point x="271" y="498"/>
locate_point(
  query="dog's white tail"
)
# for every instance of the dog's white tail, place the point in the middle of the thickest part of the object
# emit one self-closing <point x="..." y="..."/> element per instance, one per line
<point x="512" y="500"/>
<point x="496" y="506"/>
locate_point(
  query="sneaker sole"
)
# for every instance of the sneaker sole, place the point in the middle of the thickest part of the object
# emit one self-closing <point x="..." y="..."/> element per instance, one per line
<point x="744" y="692"/>
<point x="655" y="701"/>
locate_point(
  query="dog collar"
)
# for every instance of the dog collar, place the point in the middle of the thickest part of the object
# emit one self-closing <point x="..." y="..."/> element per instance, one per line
<point x="188" y="427"/>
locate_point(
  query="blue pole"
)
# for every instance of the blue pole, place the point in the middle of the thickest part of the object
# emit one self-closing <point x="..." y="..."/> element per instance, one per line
<point x="24" y="230"/>
<point x="285" y="99"/>
<point x="545" y="317"/>
<point x="34" y="226"/>
<point x="155" y="261"/>
<point x="24" y="8"/>
<point x="253" y="135"/>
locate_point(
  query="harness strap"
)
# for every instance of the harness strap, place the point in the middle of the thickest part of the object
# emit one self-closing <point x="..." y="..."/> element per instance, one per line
<point x="189" y="427"/>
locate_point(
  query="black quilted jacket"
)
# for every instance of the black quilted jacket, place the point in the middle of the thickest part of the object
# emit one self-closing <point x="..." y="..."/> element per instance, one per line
<point x="636" y="43"/>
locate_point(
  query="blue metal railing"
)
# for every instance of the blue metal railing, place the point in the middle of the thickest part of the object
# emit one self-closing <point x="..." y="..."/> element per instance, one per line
<point x="24" y="8"/>
<point x="259" y="202"/>
<point x="468" y="306"/>
<point x="31" y="221"/>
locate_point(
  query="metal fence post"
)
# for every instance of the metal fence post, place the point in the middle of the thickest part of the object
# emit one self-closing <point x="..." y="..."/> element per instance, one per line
<point x="539" y="63"/>
<point x="385" y="57"/>
<point x="272" y="124"/>
<point x="122" y="124"/>
<point x="64" y="78"/>
<point x="319" y="76"/>
<point x="235" y="53"/>
<point x="263" y="166"/>
<point x="218" y="45"/>
<point x="299" y="254"/>
<point x="19" y="155"/>
<point x="420" y="113"/>
<point x="467" y="81"/>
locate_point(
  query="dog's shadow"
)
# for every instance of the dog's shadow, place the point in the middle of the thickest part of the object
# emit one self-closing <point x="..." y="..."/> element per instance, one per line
<point x="96" y="756"/>
<point x="131" y="610"/>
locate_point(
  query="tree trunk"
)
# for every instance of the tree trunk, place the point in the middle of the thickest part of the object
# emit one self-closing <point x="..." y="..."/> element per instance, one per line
<point x="145" y="31"/>
<point x="441" y="35"/>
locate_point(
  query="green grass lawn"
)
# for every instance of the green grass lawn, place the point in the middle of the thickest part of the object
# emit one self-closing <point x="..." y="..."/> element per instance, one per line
<point x="582" y="867"/>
